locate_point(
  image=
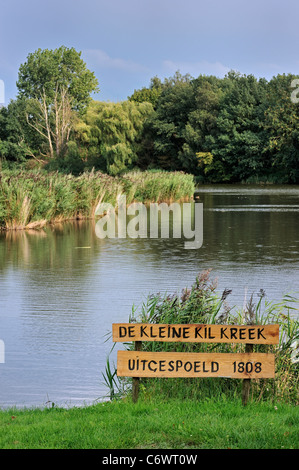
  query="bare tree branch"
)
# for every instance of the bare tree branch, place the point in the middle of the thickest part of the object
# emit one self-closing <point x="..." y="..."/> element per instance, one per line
<point x="54" y="122"/>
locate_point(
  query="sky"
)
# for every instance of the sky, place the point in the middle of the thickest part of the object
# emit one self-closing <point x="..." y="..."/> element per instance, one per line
<point x="127" y="42"/>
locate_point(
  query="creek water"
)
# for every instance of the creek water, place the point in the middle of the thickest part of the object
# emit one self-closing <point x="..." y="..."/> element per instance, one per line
<point x="61" y="288"/>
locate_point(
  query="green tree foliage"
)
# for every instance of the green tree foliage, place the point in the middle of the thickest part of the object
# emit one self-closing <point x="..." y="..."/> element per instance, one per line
<point x="169" y="122"/>
<point x="281" y="125"/>
<point x="55" y="84"/>
<point x="201" y="124"/>
<point x="45" y="71"/>
<point x="237" y="141"/>
<point x="150" y="94"/>
<point x="238" y="128"/>
<point x="109" y="136"/>
<point x="17" y="139"/>
<point x="10" y="138"/>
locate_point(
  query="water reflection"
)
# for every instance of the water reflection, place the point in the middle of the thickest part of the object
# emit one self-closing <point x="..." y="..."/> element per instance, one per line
<point x="62" y="287"/>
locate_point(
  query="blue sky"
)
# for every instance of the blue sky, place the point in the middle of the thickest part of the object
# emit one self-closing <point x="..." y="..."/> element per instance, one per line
<point x="126" y="42"/>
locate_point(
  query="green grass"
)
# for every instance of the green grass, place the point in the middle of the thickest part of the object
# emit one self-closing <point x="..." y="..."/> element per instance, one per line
<point x="153" y="424"/>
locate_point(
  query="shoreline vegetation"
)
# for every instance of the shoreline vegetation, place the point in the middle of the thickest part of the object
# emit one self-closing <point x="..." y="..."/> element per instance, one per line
<point x="234" y="129"/>
<point x="30" y="199"/>
<point x="202" y="304"/>
<point x="179" y="413"/>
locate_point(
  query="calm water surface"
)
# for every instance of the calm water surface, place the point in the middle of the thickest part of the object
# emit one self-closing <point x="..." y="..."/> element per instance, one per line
<point x="62" y="288"/>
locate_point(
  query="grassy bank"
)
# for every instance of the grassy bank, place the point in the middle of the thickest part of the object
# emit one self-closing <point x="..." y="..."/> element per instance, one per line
<point x="180" y="413"/>
<point x="30" y="199"/>
<point x="153" y="424"/>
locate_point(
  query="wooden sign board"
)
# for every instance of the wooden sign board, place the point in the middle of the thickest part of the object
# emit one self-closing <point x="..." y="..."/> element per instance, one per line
<point x="176" y="364"/>
<point x="196" y="333"/>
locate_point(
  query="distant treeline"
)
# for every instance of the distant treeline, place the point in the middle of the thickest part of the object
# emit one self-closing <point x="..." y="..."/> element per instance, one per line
<point x="234" y="129"/>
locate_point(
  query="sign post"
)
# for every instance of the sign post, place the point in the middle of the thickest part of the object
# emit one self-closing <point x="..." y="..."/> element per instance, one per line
<point x="246" y="382"/>
<point x="244" y="366"/>
<point x="136" y="380"/>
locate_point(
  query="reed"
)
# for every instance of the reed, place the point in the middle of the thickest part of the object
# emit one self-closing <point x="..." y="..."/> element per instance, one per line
<point x="203" y="304"/>
<point x="32" y="198"/>
<point x="158" y="186"/>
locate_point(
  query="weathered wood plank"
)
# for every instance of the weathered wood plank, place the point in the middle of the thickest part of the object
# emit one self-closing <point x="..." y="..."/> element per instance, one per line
<point x="176" y="364"/>
<point x="196" y="333"/>
<point x="246" y="382"/>
<point x="136" y="380"/>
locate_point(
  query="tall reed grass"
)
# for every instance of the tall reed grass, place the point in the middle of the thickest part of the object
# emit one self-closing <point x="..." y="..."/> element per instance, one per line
<point x="203" y="304"/>
<point x="158" y="186"/>
<point x="29" y="199"/>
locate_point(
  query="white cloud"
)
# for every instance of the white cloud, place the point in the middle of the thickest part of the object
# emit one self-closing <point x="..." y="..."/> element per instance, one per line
<point x="197" y="68"/>
<point x="102" y="59"/>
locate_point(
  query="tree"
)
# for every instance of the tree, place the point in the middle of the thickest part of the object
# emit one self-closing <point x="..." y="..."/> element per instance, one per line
<point x="109" y="135"/>
<point x="17" y="139"/>
<point x="56" y="86"/>
<point x="202" y="121"/>
<point x="281" y="127"/>
<point x="150" y="94"/>
<point x="169" y="121"/>
<point x="238" y="140"/>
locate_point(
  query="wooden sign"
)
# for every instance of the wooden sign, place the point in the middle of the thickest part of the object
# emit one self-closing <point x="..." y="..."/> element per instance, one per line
<point x="196" y="333"/>
<point x="176" y="364"/>
<point x="244" y="366"/>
